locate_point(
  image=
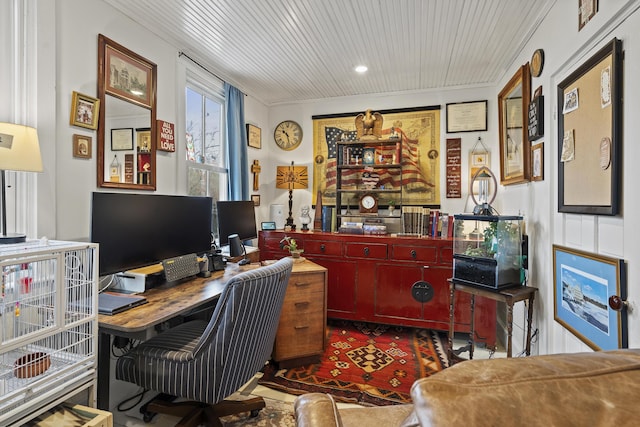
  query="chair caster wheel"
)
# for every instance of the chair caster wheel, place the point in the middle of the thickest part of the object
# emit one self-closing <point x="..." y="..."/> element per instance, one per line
<point x="148" y="416"/>
<point x="255" y="413"/>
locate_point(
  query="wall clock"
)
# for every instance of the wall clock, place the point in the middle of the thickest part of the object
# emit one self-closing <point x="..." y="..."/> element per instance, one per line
<point x="537" y="63"/>
<point x="368" y="203"/>
<point x="288" y="135"/>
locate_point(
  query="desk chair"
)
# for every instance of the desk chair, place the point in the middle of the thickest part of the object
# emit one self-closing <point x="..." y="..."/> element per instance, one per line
<point x="208" y="361"/>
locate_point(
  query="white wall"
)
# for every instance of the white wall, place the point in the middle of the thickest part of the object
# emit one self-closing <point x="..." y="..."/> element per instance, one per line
<point x="67" y="60"/>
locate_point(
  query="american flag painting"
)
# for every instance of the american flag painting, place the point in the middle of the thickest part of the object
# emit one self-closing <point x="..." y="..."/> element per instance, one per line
<point x="420" y="146"/>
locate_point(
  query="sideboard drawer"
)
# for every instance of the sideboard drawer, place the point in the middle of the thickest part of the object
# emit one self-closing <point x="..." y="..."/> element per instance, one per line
<point x="366" y="250"/>
<point x="415" y="253"/>
<point x="322" y="247"/>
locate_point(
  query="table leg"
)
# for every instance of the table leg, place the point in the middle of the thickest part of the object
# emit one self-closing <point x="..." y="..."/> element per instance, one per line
<point x="104" y="370"/>
<point x="452" y="291"/>
<point x="529" y="320"/>
<point x="472" y="331"/>
<point x="509" y="327"/>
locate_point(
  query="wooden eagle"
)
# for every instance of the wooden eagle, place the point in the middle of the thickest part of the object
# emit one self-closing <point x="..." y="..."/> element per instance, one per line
<point x="369" y="125"/>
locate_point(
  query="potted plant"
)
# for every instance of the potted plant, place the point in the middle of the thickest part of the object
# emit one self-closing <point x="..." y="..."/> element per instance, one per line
<point x="392" y="206"/>
<point x="291" y="245"/>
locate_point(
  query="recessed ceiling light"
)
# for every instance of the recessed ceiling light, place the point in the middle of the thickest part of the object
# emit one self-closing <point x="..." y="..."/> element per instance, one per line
<point x="361" y="69"/>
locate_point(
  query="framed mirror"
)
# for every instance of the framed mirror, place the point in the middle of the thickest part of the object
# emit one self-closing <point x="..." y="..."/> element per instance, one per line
<point x="515" y="151"/>
<point x="126" y="123"/>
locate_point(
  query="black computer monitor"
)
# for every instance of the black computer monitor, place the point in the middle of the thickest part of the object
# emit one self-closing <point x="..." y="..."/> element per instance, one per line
<point x="136" y="230"/>
<point x="236" y="217"/>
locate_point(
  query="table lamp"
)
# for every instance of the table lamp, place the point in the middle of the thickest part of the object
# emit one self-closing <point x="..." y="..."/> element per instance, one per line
<point x="290" y="178"/>
<point x="19" y="151"/>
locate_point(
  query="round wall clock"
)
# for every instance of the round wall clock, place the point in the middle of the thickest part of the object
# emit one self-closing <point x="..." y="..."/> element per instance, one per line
<point x="288" y="135"/>
<point x="537" y="62"/>
<point x="368" y="204"/>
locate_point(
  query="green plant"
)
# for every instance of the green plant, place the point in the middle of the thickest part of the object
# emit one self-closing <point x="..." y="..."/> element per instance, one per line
<point x="391" y="202"/>
<point x="289" y="244"/>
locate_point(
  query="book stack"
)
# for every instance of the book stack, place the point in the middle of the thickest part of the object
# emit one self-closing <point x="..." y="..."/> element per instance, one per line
<point x="375" y="227"/>
<point x="351" y="228"/>
<point x="421" y="221"/>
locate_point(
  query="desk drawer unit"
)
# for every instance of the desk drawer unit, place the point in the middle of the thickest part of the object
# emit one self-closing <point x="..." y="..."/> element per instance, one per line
<point x="301" y="332"/>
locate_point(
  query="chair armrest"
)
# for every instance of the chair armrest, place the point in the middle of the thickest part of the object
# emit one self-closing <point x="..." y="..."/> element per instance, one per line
<point x="316" y="409"/>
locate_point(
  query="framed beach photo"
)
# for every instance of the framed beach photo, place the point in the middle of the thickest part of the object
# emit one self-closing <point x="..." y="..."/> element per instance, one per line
<point x="84" y="111"/>
<point x="584" y="285"/>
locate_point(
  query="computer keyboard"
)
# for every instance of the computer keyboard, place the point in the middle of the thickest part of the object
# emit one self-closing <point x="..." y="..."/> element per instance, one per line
<point x="180" y="267"/>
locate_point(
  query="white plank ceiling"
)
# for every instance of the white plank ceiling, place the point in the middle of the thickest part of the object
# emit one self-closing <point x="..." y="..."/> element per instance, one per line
<point x="283" y="51"/>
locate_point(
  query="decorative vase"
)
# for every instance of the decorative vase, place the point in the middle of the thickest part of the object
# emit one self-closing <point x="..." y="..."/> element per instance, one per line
<point x="295" y="254"/>
<point x="392" y="210"/>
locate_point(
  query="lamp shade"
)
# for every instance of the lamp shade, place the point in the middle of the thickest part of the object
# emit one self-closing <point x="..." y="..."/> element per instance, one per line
<point x="19" y="148"/>
<point x="292" y="177"/>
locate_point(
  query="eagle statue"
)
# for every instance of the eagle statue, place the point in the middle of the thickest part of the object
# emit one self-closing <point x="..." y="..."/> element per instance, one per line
<point x="369" y="125"/>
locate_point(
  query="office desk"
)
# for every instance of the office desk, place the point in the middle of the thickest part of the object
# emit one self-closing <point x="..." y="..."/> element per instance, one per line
<point x="165" y="302"/>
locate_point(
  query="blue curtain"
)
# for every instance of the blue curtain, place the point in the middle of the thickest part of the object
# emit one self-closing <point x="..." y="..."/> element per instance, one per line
<point x="236" y="144"/>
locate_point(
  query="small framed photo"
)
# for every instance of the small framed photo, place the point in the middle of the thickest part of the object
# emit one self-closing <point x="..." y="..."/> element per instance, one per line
<point x="254" y="136"/>
<point x="255" y="198"/>
<point x="121" y="139"/>
<point x="537" y="162"/>
<point x="584" y="284"/>
<point x="82" y="146"/>
<point x="143" y="143"/>
<point x="84" y="111"/>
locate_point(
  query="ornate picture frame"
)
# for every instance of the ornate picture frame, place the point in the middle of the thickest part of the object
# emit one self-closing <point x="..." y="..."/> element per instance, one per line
<point x="590" y="135"/>
<point x="584" y="284"/>
<point x="129" y="76"/>
<point x="85" y="111"/>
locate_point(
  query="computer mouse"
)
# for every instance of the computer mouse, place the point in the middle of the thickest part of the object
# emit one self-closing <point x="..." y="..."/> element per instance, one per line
<point x="243" y="262"/>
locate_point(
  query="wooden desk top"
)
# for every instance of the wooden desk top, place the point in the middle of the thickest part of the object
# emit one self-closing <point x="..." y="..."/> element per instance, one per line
<point x="170" y="300"/>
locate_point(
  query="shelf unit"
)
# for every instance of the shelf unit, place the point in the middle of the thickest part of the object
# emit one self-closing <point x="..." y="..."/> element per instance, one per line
<point x="387" y="161"/>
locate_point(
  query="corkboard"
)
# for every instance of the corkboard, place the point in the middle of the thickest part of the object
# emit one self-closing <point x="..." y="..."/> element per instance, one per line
<point x="589" y="133"/>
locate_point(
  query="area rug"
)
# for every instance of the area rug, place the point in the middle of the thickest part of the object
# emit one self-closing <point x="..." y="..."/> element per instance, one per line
<point x="365" y="363"/>
<point x="276" y="414"/>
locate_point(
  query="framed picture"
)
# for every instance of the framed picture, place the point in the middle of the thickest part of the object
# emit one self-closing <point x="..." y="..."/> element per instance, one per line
<point x="584" y="283"/>
<point x="82" y="146"/>
<point x="130" y="76"/>
<point x="515" y="149"/>
<point x="537" y="162"/>
<point x="255" y="198"/>
<point x="590" y="135"/>
<point x="587" y="9"/>
<point x="254" y="136"/>
<point x="122" y="139"/>
<point x="467" y="116"/>
<point x="84" y="111"/>
<point x="143" y="142"/>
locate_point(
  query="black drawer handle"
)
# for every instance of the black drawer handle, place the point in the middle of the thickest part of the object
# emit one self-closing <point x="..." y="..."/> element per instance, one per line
<point x="366" y="251"/>
<point x="322" y="248"/>
<point x="414" y="254"/>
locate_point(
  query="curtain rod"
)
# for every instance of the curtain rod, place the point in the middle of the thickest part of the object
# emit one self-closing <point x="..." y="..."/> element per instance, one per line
<point x="180" y="54"/>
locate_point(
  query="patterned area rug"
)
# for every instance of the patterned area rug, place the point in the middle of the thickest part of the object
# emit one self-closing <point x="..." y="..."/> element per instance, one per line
<point x="276" y="414"/>
<point x="366" y="363"/>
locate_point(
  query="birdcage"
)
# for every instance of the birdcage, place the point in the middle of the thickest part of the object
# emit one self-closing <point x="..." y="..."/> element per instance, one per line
<point x="48" y="325"/>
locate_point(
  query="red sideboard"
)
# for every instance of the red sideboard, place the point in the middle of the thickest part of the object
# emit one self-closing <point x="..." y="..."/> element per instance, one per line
<point x="371" y="278"/>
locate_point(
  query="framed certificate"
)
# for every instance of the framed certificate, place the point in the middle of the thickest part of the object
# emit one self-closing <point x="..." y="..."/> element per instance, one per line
<point x="122" y="139"/>
<point x="467" y="116"/>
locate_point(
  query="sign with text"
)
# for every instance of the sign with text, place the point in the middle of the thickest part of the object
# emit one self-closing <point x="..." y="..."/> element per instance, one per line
<point x="166" y="136"/>
<point x="454" y="153"/>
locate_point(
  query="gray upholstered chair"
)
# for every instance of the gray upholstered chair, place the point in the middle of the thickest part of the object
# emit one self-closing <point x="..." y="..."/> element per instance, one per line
<point x="208" y="361"/>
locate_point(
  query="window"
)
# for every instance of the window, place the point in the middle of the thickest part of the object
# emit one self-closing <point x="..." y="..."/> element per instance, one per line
<point x="205" y="149"/>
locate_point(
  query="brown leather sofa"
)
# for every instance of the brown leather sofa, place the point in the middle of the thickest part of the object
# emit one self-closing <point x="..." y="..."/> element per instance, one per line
<point x="578" y="389"/>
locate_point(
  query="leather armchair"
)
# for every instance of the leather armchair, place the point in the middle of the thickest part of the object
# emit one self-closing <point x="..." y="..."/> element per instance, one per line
<point x="208" y="361"/>
<point x="578" y="389"/>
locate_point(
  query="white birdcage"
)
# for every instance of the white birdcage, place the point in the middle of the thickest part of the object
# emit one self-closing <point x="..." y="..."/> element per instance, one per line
<point x="48" y="325"/>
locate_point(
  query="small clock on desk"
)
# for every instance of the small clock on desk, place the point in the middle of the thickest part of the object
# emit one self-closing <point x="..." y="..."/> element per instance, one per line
<point x="368" y="203"/>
